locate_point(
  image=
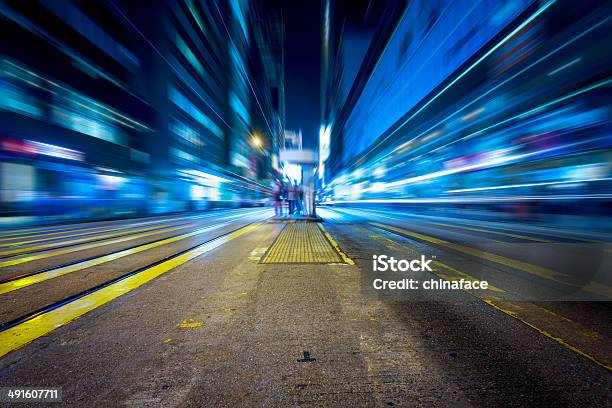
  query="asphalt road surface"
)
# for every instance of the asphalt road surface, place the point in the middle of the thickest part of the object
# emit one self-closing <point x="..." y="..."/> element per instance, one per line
<point x="233" y="308"/>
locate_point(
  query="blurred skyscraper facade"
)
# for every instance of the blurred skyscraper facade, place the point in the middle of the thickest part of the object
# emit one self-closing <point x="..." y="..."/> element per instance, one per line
<point x="469" y="105"/>
<point x="109" y="109"/>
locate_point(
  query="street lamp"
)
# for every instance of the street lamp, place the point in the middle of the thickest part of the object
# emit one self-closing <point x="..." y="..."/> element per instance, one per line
<point x="257" y="142"/>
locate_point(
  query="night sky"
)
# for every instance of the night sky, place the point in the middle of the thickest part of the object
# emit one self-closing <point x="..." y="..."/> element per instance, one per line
<point x="302" y="67"/>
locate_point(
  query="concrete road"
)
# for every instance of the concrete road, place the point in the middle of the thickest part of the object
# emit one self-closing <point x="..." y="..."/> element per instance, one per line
<point x="199" y="313"/>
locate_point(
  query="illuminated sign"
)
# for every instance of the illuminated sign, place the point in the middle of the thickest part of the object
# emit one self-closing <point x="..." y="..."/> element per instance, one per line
<point x="30" y="147"/>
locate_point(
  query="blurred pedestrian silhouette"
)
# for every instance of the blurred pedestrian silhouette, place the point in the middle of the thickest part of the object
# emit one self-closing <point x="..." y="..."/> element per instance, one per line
<point x="277" y="191"/>
<point x="297" y="192"/>
<point x="291" y="197"/>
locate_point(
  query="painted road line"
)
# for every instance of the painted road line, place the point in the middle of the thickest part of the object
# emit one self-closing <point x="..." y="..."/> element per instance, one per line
<point x="453" y="274"/>
<point x="557" y="234"/>
<point x="32" y="279"/>
<point x="44" y="322"/>
<point x="570" y="233"/>
<point x="549" y="232"/>
<point x="492" y="230"/>
<point x="507" y="228"/>
<point x="523" y="266"/>
<point x="45" y="231"/>
<point x="73" y="232"/>
<point x="334" y="244"/>
<point x="489" y="231"/>
<point x="42" y="247"/>
<point x="49" y="254"/>
<point x="536" y="270"/>
<point x="82" y="233"/>
<point x="65" y="234"/>
<point x="445" y="225"/>
<point x="70" y="228"/>
<point x="566" y="332"/>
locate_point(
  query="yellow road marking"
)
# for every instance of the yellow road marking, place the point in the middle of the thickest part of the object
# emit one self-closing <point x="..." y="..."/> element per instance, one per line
<point x="79" y="227"/>
<point x="605" y="363"/>
<point x="571" y="234"/>
<point x="257" y="253"/>
<point x="333" y="243"/>
<point x="73" y="233"/>
<point x="563" y="234"/>
<point x="28" y="331"/>
<point x="46" y="234"/>
<point x="489" y="231"/>
<point x="77" y="248"/>
<point x="75" y="227"/>
<point x="554" y="326"/>
<point x="16" y="233"/>
<point x="457" y="275"/>
<point x="78" y="240"/>
<point x="41" y="277"/>
<point x="190" y="324"/>
<point x="38" y="239"/>
<point x="571" y="237"/>
<point x="536" y="270"/>
<point x="566" y="234"/>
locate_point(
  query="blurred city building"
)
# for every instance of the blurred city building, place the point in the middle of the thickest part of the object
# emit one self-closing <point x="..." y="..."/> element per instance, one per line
<point x="353" y="35"/>
<point x="468" y="105"/>
<point x="292" y="139"/>
<point x="109" y="110"/>
<point x="268" y="62"/>
<point x="291" y="145"/>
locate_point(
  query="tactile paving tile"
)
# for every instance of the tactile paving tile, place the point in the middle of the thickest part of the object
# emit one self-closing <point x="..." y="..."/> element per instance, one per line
<point x="301" y="242"/>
